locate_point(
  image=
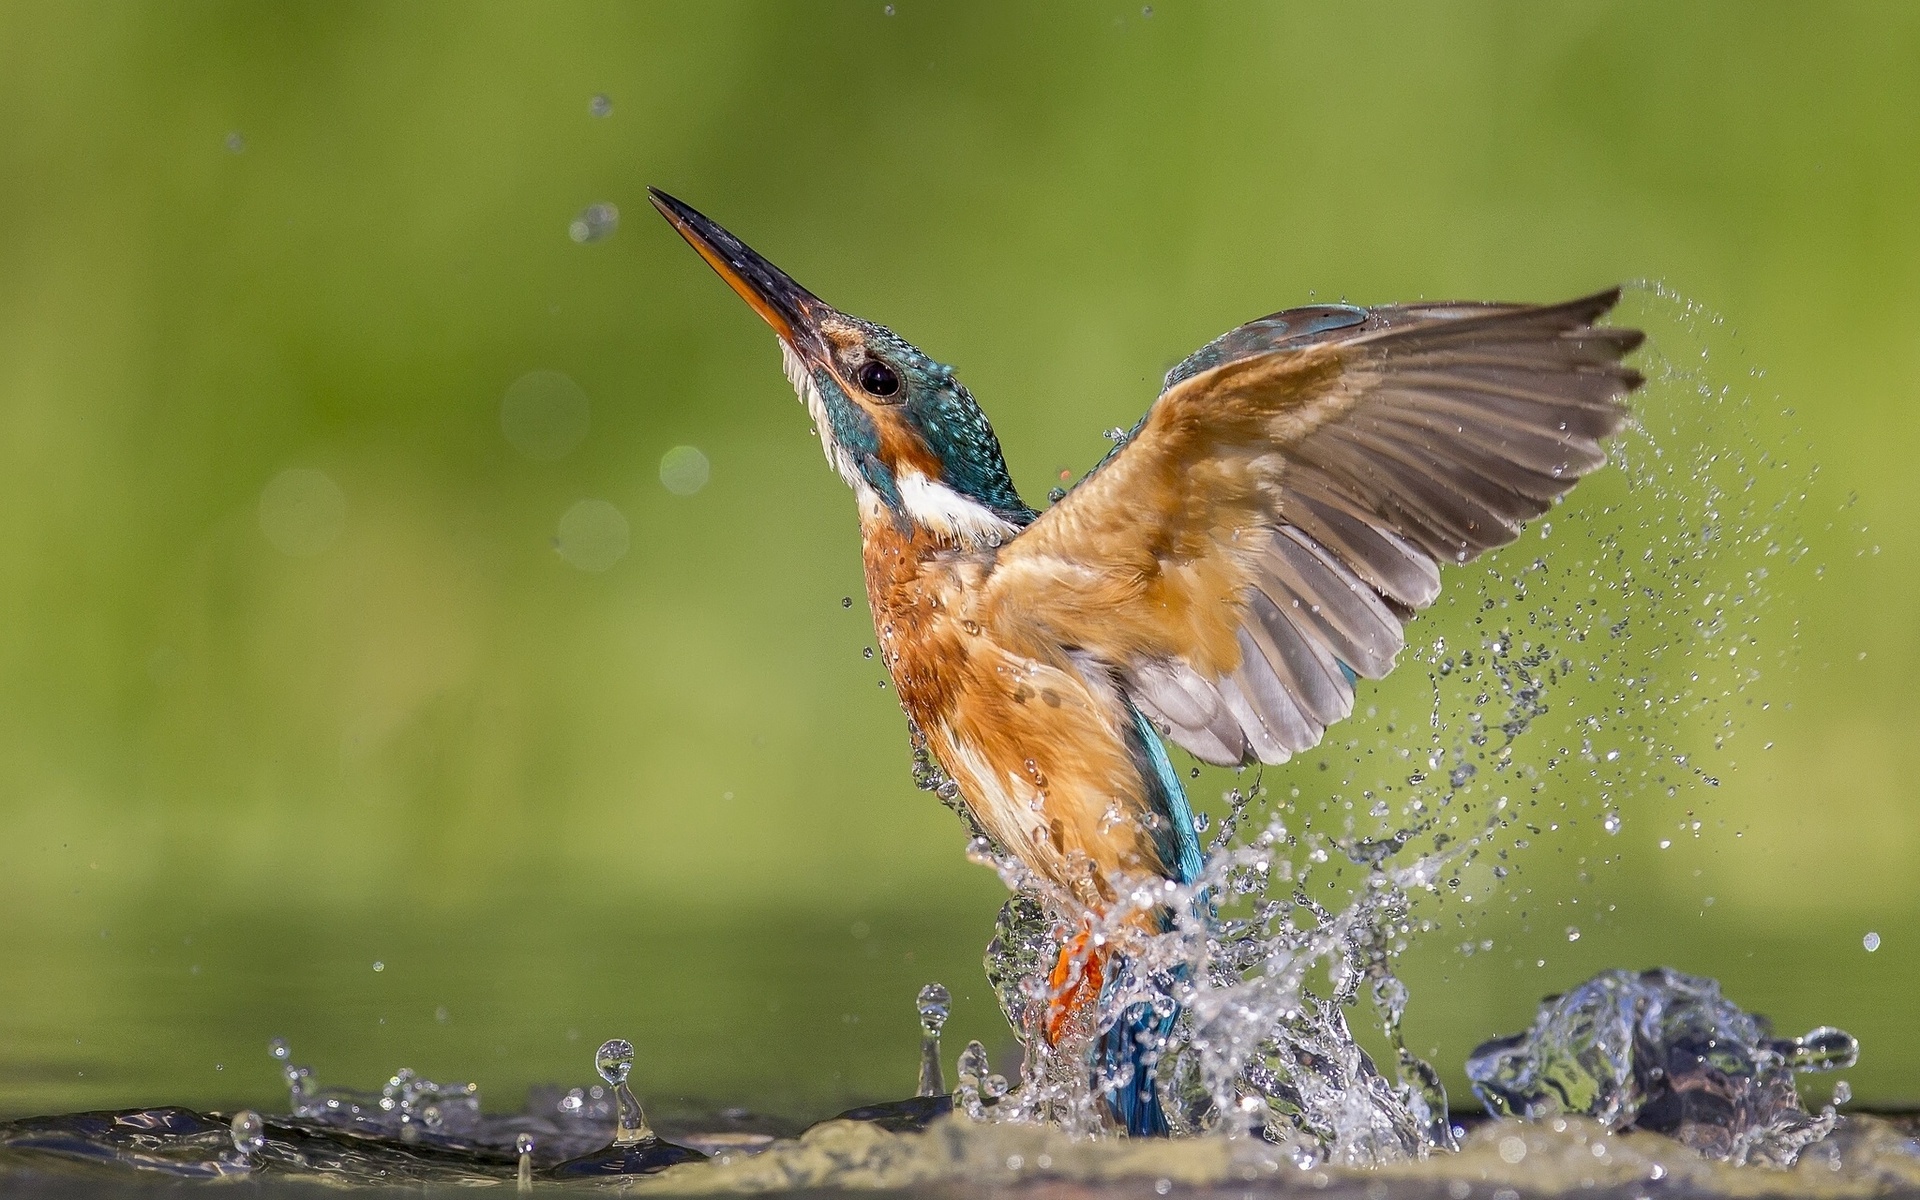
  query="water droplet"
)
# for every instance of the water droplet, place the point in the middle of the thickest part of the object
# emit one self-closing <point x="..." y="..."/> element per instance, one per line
<point x="1842" y="1092"/>
<point x="614" y="1060"/>
<point x="248" y="1132"/>
<point x="934" y="1004"/>
<point x="1460" y="774"/>
<point x="600" y="106"/>
<point x="1573" y="933"/>
<point x="1871" y="942"/>
<point x="1056" y="495"/>
<point x="235" y="143"/>
<point x="523" y="1146"/>
<point x="888" y="10"/>
<point x="1114" y="434"/>
<point x="302" y="511"/>
<point x="378" y="965"/>
<point x="1825" y="1049"/>
<point x="278" y="1048"/>
<point x="846" y="602"/>
<point x="593" y="535"/>
<point x="1610" y="821"/>
<point x="1512" y="1149"/>
<point x="596" y="222"/>
<point x="684" y="470"/>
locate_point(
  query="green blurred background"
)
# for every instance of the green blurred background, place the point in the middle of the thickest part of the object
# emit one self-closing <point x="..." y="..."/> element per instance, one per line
<point x="257" y="737"/>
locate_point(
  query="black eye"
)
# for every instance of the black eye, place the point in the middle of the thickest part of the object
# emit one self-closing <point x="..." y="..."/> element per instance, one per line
<point x="877" y="378"/>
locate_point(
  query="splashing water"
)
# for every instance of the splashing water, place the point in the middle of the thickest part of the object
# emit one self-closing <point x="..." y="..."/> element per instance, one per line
<point x="933" y="1004"/>
<point x="1664" y="1051"/>
<point x="1596" y="670"/>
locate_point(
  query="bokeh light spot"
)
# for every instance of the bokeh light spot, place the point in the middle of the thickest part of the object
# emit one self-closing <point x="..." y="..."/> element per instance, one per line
<point x="595" y="222"/>
<point x="545" y="414"/>
<point x="302" y="511"/>
<point x="593" y="535"/>
<point x="684" y="470"/>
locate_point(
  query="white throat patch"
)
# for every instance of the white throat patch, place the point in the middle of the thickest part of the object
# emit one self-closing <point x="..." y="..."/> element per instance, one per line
<point x="948" y="513"/>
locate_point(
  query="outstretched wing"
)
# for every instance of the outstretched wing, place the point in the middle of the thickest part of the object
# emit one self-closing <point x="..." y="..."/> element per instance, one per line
<point x="1267" y="530"/>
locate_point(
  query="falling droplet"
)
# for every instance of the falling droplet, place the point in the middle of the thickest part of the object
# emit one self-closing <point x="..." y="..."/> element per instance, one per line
<point x="1610" y="821"/>
<point x="248" y="1132"/>
<point x="235" y="143"/>
<point x="600" y="106"/>
<point x="1573" y="933"/>
<point x="278" y="1048"/>
<point x="1460" y="774"/>
<point x="1871" y="942"/>
<point x="933" y="1003"/>
<point x="1842" y="1092"/>
<point x="596" y="222"/>
<point x="614" y="1061"/>
<point x="846" y="602"/>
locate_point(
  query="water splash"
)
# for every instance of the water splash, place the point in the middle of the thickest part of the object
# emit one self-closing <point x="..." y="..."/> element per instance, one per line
<point x="1595" y="673"/>
<point x="933" y="1005"/>
<point x="1664" y="1051"/>
<point x="405" y="1105"/>
<point x="614" y="1062"/>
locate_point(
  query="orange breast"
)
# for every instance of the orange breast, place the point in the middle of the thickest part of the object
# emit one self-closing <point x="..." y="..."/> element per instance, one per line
<point x="1038" y="748"/>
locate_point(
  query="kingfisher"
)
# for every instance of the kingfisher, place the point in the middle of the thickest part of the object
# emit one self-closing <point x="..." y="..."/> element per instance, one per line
<point x="1221" y="580"/>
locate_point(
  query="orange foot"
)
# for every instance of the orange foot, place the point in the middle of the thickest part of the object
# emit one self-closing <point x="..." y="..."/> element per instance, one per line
<point x="1074" y="984"/>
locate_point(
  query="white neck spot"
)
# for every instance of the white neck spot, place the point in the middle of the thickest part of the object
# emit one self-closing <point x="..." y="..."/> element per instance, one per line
<point x="945" y="511"/>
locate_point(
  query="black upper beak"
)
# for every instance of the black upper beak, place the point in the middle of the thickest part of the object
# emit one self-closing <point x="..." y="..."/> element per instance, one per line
<point x="785" y="305"/>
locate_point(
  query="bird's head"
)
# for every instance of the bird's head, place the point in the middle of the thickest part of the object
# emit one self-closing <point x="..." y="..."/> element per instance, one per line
<point x="896" y="425"/>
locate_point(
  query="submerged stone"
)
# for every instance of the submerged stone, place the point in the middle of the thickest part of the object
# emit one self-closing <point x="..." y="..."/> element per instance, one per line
<point x="1663" y="1051"/>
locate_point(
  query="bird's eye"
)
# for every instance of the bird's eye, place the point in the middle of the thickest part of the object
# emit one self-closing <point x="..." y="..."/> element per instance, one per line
<point x="877" y="378"/>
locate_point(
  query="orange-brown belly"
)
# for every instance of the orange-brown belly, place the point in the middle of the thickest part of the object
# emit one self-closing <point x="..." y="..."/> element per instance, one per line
<point x="1039" y="749"/>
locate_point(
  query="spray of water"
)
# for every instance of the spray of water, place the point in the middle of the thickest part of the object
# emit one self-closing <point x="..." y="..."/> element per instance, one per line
<point x="1605" y="662"/>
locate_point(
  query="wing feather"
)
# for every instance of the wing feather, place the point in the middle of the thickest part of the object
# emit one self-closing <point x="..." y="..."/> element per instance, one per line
<point x="1281" y="512"/>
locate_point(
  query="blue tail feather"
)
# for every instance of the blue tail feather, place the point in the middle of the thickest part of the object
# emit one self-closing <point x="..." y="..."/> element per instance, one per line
<point x="1139" y="1033"/>
<point x="1135" y="1041"/>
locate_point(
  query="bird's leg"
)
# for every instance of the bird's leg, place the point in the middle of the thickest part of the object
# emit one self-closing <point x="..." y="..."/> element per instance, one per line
<point x="1075" y="982"/>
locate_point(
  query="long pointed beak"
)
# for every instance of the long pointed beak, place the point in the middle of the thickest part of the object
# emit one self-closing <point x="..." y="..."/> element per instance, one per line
<point x="784" y="304"/>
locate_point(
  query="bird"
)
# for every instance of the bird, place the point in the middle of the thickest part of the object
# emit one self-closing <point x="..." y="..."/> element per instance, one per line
<point x="1222" y="580"/>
